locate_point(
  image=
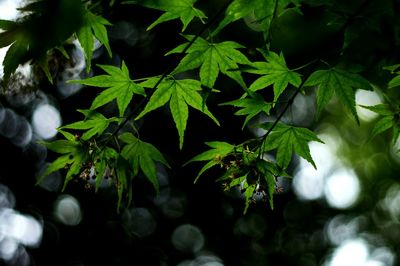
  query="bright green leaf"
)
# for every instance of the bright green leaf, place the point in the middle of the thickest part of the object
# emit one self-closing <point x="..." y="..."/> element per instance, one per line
<point x="275" y="72"/>
<point x="119" y="84"/>
<point x="93" y="27"/>
<point x="288" y="139"/>
<point x="95" y="124"/>
<point x="142" y="155"/>
<point x="212" y="58"/>
<point x="174" y="9"/>
<point x="180" y="93"/>
<point x="219" y="150"/>
<point x="251" y="107"/>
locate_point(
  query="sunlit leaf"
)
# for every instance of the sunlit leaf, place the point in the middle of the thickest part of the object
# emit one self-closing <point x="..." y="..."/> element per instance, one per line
<point x="120" y="87"/>
<point x="212" y="58"/>
<point x="173" y="9"/>
<point x="288" y="139"/>
<point x="179" y="94"/>
<point x="142" y="156"/>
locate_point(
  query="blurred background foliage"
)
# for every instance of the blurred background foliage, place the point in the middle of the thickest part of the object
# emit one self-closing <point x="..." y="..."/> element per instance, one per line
<point x="345" y="213"/>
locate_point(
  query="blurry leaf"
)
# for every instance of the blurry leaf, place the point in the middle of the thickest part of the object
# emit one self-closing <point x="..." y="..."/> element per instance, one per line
<point x="212" y="58"/>
<point x="44" y="25"/>
<point x="251" y="107"/>
<point x="93" y="27"/>
<point x="95" y="124"/>
<point x="174" y="9"/>
<point x="214" y="156"/>
<point x="119" y="84"/>
<point x="288" y="139"/>
<point x="274" y="72"/>
<point x="142" y="155"/>
<point x="340" y="82"/>
<point x="395" y="82"/>
<point x="180" y="94"/>
<point x="389" y="120"/>
<point x="123" y="177"/>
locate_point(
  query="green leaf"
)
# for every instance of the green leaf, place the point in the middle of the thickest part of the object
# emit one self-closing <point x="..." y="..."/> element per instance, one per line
<point x="142" y="155"/>
<point x="288" y="139"/>
<point x="74" y="155"/>
<point x="93" y="27"/>
<point x="174" y="9"/>
<point x="103" y="160"/>
<point x="180" y="94"/>
<point x="251" y="107"/>
<point x="395" y="82"/>
<point x="95" y="124"/>
<point x="340" y="82"/>
<point x="276" y="72"/>
<point x="212" y="58"/>
<point x="214" y="156"/>
<point x="248" y="194"/>
<point x="382" y="125"/>
<point x="123" y="184"/>
<point x="119" y="84"/>
<point x="382" y="109"/>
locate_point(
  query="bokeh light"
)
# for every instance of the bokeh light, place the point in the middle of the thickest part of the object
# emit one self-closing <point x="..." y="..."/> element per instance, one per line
<point x="45" y="121"/>
<point x="139" y="222"/>
<point x="187" y="238"/>
<point x="67" y="210"/>
<point x="367" y="98"/>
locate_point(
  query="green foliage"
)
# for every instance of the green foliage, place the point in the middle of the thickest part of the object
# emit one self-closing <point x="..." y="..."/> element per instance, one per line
<point x="100" y="151"/>
<point x="119" y="84"/>
<point x="389" y="120"/>
<point x="339" y="82"/>
<point x="142" y="156"/>
<point x="44" y="25"/>
<point x="179" y="94"/>
<point x="93" y="27"/>
<point x="174" y="9"/>
<point x="74" y="154"/>
<point x="286" y="140"/>
<point x="95" y="124"/>
<point x="212" y="58"/>
<point x="274" y="72"/>
<point x="252" y="106"/>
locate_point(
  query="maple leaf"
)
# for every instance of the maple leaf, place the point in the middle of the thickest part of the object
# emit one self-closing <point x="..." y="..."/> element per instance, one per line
<point x="212" y="58"/>
<point x="174" y="9"/>
<point x="142" y="156"/>
<point x="251" y="107"/>
<point x="180" y="94"/>
<point x="119" y="84"/>
<point x="214" y="156"/>
<point x="288" y="139"/>
<point x="339" y="82"/>
<point x="95" y="124"/>
<point x="274" y="71"/>
<point x="389" y="120"/>
<point x="74" y="154"/>
<point x="93" y="27"/>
